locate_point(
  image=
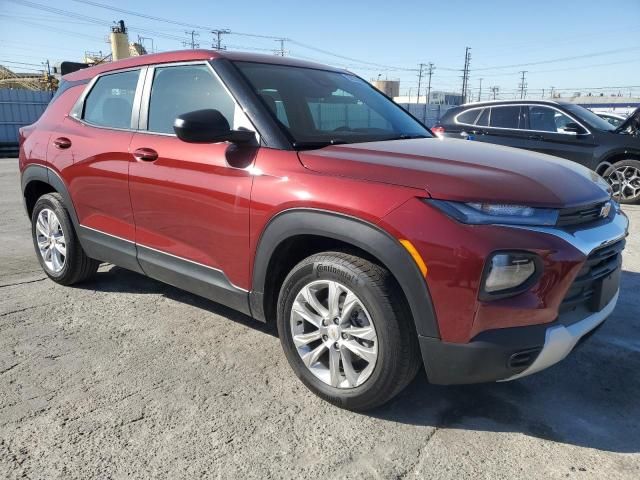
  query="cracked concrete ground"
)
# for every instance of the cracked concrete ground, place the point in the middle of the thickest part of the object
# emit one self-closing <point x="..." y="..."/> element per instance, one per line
<point x="124" y="377"/>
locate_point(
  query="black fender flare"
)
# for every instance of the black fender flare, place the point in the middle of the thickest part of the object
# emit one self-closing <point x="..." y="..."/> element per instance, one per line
<point x="364" y="235"/>
<point x="45" y="174"/>
<point x="607" y="157"/>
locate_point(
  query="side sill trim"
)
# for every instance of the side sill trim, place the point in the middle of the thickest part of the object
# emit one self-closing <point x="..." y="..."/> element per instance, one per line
<point x="139" y="245"/>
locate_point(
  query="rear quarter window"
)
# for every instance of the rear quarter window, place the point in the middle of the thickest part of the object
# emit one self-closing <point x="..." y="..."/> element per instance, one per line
<point x="469" y="117"/>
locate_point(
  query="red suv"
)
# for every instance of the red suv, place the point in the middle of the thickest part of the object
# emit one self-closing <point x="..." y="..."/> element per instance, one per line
<point x="297" y="193"/>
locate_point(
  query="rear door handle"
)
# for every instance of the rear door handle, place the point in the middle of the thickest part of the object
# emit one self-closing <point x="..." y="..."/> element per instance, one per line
<point x="62" y="143"/>
<point x="145" y="154"/>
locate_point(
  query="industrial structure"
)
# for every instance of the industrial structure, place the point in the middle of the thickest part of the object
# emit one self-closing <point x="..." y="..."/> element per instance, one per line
<point x="391" y="88"/>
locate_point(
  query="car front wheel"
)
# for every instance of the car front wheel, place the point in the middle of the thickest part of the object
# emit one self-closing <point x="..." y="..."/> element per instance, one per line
<point x="624" y="178"/>
<point x="346" y="330"/>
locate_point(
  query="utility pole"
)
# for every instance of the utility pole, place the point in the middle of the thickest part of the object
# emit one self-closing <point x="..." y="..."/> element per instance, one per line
<point x="217" y="38"/>
<point x="421" y="65"/>
<point x="281" y="52"/>
<point x="430" y="73"/>
<point x="480" y="90"/>
<point x="552" y="91"/>
<point x="192" y="43"/>
<point x="494" y="90"/>
<point x="465" y="73"/>
<point x="543" y="93"/>
<point x="523" y="84"/>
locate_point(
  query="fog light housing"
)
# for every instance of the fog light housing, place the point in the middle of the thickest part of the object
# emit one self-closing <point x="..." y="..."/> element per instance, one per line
<point x="509" y="273"/>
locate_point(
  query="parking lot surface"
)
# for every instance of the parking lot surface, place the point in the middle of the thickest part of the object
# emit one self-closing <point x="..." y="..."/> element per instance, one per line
<point x="124" y="377"/>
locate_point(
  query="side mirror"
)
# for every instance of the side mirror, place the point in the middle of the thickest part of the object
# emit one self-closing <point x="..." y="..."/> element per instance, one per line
<point x="573" y="128"/>
<point x="208" y="126"/>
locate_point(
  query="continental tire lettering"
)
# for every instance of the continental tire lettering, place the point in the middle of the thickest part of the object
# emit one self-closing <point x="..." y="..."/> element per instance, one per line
<point x="340" y="272"/>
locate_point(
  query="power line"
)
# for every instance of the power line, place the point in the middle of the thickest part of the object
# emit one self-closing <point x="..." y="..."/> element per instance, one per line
<point x="563" y="59"/>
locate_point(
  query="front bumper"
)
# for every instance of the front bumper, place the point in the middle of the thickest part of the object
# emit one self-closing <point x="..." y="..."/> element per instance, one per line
<point x="502" y="354"/>
<point x="507" y="353"/>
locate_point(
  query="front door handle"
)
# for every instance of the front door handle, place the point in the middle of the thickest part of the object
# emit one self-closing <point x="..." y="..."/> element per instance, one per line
<point x="536" y="137"/>
<point x="62" y="143"/>
<point x="145" y="154"/>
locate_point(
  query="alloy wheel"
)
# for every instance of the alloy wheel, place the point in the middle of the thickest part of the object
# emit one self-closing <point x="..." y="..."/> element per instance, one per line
<point x="334" y="334"/>
<point x="51" y="242"/>
<point x="625" y="182"/>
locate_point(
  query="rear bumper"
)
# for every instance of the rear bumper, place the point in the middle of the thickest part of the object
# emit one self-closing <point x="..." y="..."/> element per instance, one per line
<point x="508" y="353"/>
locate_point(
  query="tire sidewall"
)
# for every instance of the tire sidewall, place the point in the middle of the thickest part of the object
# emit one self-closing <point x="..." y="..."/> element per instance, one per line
<point x="52" y="203"/>
<point x="315" y="268"/>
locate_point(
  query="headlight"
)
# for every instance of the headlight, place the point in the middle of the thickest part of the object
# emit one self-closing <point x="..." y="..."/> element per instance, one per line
<point x="492" y="213"/>
<point x="509" y="273"/>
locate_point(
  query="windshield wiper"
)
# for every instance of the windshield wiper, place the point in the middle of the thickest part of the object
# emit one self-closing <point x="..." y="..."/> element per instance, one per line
<point x="404" y="136"/>
<point x="313" y="144"/>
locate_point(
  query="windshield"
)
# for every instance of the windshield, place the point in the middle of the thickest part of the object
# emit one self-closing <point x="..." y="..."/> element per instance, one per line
<point x="591" y="118"/>
<point x="319" y="107"/>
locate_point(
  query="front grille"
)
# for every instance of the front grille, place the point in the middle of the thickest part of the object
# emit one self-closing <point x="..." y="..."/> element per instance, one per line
<point x="580" y="215"/>
<point x="601" y="263"/>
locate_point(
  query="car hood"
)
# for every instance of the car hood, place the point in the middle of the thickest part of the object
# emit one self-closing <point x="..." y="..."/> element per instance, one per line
<point x="459" y="170"/>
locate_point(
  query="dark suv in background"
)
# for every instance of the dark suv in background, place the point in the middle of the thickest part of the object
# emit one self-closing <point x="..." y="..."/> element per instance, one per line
<point x="555" y="128"/>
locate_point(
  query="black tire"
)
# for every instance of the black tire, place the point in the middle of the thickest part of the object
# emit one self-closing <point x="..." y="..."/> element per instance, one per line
<point x="611" y="177"/>
<point x="77" y="265"/>
<point x="398" y="351"/>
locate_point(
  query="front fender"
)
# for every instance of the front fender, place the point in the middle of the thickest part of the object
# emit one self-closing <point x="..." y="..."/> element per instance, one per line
<point x="364" y="235"/>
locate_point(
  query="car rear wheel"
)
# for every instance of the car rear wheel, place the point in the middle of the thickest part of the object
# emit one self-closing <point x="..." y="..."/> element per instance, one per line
<point x="57" y="247"/>
<point x="346" y="330"/>
<point x="624" y="178"/>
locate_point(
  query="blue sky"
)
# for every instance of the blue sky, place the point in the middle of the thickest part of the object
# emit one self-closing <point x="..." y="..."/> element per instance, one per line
<point x="547" y="35"/>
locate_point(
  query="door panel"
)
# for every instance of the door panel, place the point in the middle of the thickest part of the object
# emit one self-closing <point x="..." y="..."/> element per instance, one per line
<point x="98" y="179"/>
<point x="546" y="126"/>
<point x="190" y="207"/>
<point x="189" y="203"/>
<point x="505" y="128"/>
<point x="91" y="148"/>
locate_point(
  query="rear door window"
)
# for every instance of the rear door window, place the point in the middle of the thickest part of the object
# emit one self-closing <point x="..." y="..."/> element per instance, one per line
<point x="110" y="101"/>
<point x="506" y="117"/>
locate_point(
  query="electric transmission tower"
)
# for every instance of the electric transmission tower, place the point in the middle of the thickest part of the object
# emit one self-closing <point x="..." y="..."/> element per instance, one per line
<point x="430" y="73"/>
<point x="523" y="85"/>
<point x="421" y="66"/>
<point x="217" y="38"/>
<point x="281" y="52"/>
<point x="191" y="43"/>
<point x="465" y="74"/>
